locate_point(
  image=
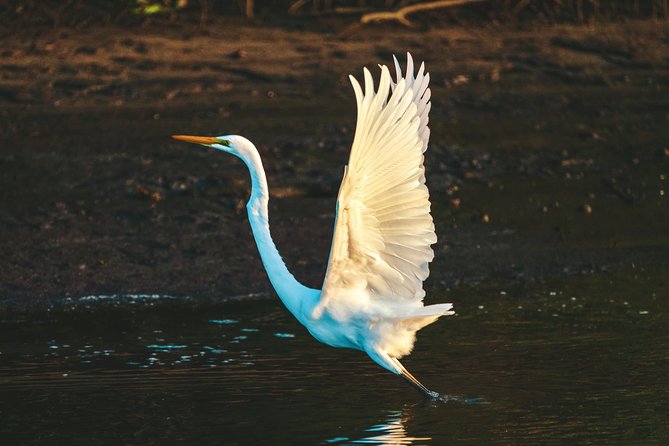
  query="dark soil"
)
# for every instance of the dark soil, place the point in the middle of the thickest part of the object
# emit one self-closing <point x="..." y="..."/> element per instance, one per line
<point x="549" y="152"/>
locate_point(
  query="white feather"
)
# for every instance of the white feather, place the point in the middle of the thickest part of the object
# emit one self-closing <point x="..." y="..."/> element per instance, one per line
<point x="384" y="229"/>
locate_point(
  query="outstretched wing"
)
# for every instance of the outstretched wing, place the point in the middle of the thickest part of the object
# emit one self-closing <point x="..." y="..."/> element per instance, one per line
<point x="383" y="228"/>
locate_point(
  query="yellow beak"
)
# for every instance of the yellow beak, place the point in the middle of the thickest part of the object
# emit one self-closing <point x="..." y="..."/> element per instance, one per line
<point x="206" y="140"/>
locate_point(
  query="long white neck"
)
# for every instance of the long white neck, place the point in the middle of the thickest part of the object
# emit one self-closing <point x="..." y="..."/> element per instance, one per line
<point x="292" y="293"/>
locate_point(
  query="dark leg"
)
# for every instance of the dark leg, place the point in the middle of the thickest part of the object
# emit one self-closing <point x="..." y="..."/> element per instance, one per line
<point x="415" y="383"/>
<point x="420" y="387"/>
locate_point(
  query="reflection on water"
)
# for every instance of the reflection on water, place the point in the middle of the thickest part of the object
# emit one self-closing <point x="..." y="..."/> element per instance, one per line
<point x="391" y="432"/>
<point x="582" y="360"/>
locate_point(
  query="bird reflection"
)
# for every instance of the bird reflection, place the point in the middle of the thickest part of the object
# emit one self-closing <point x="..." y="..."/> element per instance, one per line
<point x="391" y="432"/>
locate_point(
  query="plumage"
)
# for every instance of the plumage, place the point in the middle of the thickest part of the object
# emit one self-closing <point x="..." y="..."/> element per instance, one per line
<point x="372" y="295"/>
<point x="385" y="171"/>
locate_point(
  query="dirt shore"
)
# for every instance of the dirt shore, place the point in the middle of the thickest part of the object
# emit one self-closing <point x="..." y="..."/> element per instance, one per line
<point x="549" y="152"/>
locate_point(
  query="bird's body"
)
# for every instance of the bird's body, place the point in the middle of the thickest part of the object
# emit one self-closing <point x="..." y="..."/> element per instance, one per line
<point x="372" y="296"/>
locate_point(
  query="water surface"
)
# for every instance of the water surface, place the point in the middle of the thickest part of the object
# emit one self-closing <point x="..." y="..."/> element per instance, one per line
<point x="577" y="360"/>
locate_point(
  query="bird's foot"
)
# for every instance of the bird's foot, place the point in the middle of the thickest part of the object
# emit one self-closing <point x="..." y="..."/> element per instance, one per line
<point x="431" y="394"/>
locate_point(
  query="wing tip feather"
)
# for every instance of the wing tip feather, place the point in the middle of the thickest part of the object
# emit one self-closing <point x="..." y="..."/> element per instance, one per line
<point x="404" y="278"/>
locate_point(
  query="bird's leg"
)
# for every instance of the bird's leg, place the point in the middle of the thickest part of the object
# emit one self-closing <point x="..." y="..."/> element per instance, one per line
<point x="394" y="365"/>
<point x="419" y="386"/>
<point x="415" y="383"/>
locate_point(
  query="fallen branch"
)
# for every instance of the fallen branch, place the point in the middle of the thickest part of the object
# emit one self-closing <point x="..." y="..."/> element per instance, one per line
<point x="401" y="14"/>
<point x="296" y="6"/>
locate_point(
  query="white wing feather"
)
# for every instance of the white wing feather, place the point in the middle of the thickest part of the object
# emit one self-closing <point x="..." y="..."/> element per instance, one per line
<point x="383" y="228"/>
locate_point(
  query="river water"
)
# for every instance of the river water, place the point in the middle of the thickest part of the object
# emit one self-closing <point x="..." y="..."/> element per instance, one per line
<point x="582" y="359"/>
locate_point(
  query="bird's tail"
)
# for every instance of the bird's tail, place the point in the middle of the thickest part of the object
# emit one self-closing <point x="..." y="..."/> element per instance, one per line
<point x="424" y="316"/>
<point x="395" y="337"/>
<point x="435" y="310"/>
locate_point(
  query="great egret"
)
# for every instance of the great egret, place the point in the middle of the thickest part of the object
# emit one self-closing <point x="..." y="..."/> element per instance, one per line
<point x="372" y="296"/>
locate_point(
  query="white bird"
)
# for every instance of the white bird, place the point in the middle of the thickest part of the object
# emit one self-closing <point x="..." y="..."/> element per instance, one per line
<point x="372" y="296"/>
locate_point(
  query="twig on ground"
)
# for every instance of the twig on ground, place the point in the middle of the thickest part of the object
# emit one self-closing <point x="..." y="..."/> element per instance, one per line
<point x="401" y="14"/>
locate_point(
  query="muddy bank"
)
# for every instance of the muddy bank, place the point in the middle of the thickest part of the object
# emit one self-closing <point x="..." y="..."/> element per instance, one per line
<point x="549" y="153"/>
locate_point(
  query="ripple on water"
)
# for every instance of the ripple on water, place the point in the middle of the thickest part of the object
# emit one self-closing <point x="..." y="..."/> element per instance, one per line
<point x="284" y="335"/>
<point x="166" y="347"/>
<point x="223" y="321"/>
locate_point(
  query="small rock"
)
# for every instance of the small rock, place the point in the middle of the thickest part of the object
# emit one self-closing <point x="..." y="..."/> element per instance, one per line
<point x="460" y="79"/>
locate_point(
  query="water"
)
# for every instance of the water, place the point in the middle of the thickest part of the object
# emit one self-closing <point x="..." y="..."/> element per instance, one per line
<point x="578" y="360"/>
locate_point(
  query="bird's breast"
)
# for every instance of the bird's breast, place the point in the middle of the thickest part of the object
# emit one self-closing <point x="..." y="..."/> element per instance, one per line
<point x="335" y="333"/>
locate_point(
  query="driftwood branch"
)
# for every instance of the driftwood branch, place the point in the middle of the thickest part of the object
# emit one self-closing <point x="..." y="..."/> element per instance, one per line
<point x="296" y="6"/>
<point x="401" y="14"/>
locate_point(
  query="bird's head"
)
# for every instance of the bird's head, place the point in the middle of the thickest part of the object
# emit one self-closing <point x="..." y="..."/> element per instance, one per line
<point x="233" y="144"/>
<point x="229" y="143"/>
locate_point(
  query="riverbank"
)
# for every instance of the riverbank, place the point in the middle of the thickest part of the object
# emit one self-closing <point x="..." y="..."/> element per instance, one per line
<point x="549" y="152"/>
